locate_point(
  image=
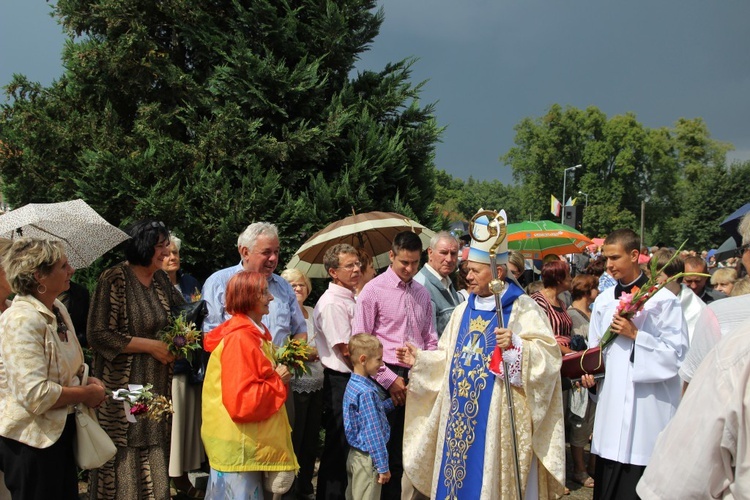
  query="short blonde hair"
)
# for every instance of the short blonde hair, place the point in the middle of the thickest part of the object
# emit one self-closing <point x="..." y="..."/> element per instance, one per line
<point x="741" y="287"/>
<point x="744" y="228"/>
<point x="295" y="274"/>
<point x="724" y="275"/>
<point x="5" y="245"/>
<point x="27" y="256"/>
<point x="364" y="343"/>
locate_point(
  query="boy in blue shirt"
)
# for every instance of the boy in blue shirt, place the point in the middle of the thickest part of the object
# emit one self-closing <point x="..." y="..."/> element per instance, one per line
<point x="365" y="423"/>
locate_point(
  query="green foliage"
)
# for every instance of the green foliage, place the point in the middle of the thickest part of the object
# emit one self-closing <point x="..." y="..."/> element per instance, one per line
<point x="214" y="115"/>
<point x="456" y="199"/>
<point x="680" y="174"/>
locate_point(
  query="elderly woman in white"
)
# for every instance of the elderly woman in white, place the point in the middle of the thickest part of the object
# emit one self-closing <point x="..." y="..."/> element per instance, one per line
<point x="40" y="367"/>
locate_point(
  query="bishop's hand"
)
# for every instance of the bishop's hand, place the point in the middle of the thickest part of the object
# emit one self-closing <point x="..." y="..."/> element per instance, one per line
<point x="503" y="338"/>
<point x="407" y="354"/>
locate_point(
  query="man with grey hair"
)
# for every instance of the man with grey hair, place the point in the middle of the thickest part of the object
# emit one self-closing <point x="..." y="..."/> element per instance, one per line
<point x="442" y="260"/>
<point x="258" y="246"/>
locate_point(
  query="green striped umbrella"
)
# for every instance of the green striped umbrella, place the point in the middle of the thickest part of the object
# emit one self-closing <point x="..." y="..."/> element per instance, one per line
<point x="537" y="239"/>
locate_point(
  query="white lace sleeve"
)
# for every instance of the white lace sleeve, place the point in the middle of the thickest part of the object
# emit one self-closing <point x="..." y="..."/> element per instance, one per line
<point x="513" y="357"/>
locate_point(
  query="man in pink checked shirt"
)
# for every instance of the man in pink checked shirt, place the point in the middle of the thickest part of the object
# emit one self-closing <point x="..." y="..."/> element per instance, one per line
<point x="397" y="309"/>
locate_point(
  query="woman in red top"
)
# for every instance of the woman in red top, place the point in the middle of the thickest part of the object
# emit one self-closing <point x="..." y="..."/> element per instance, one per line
<point x="556" y="280"/>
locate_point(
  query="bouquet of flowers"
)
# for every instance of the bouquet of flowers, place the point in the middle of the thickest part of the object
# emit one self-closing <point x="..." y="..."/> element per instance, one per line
<point x="293" y="354"/>
<point x="632" y="303"/>
<point x="182" y="337"/>
<point x="139" y="400"/>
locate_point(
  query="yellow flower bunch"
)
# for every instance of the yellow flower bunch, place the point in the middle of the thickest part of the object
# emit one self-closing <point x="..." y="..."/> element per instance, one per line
<point x="293" y="354"/>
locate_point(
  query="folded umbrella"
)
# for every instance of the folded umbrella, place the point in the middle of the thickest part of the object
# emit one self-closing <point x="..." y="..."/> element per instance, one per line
<point x="83" y="232"/>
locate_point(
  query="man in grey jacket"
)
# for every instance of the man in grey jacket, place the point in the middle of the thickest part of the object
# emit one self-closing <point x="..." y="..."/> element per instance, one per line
<point x="442" y="260"/>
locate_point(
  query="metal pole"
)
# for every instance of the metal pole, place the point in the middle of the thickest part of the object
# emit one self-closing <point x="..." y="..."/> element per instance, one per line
<point x="497" y="286"/>
<point x="562" y="214"/>
<point x="643" y="221"/>
<point x="587" y="197"/>
<point x="499" y="231"/>
<point x="565" y="178"/>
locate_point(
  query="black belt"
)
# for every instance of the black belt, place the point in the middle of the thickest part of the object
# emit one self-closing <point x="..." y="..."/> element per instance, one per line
<point x="336" y="373"/>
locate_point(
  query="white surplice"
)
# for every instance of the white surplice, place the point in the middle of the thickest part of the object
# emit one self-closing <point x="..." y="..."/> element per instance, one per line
<point x="692" y="306"/>
<point x="637" y="398"/>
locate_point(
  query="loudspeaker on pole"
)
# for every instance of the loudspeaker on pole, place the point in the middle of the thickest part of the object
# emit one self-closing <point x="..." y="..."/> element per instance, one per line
<point x="573" y="217"/>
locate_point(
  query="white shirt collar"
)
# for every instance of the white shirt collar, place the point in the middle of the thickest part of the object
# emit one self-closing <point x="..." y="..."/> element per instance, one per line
<point x="445" y="281"/>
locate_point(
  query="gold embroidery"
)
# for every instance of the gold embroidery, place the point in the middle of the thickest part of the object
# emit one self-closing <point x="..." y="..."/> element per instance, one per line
<point x="478" y="324"/>
<point x="463" y="388"/>
<point x="460" y="433"/>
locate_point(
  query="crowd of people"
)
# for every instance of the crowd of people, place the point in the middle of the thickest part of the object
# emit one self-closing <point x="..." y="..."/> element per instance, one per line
<point x="418" y="375"/>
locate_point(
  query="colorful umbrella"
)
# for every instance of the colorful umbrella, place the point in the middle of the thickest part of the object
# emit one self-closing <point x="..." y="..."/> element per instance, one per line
<point x="373" y="231"/>
<point x="84" y="233"/>
<point x="537" y="239"/>
<point x="598" y="242"/>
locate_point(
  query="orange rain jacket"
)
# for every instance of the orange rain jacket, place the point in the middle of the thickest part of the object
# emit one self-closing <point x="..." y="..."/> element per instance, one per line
<point x="245" y="425"/>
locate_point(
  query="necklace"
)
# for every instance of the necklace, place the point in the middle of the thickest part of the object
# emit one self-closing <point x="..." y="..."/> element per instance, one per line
<point x="62" y="328"/>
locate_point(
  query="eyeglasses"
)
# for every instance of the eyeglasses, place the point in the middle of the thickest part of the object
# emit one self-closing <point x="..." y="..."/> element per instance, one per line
<point x="351" y="267"/>
<point x="156" y="224"/>
<point x="744" y="248"/>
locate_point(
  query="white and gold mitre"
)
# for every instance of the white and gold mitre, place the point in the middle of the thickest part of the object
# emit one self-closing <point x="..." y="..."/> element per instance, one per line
<point x="479" y="251"/>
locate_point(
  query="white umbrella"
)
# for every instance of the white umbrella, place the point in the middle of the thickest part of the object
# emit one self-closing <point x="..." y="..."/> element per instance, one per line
<point x="372" y="231"/>
<point x="84" y="233"/>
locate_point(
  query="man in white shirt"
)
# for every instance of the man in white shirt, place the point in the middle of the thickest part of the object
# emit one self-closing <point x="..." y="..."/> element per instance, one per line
<point x="333" y="317"/>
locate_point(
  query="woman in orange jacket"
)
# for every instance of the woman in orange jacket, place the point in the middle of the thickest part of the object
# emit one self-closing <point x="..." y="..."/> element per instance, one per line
<point x="245" y="429"/>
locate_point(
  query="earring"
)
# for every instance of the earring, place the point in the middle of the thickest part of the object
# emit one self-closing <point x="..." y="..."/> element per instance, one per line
<point x="41" y="289"/>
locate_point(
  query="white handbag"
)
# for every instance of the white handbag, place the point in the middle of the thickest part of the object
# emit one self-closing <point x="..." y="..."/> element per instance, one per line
<point x="93" y="446"/>
<point x="278" y="482"/>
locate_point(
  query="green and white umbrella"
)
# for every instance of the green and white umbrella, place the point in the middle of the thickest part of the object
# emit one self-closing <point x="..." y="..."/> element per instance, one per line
<point x="537" y="239"/>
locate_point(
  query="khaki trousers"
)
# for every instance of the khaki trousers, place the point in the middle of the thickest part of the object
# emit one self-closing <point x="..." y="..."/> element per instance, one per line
<point x="363" y="478"/>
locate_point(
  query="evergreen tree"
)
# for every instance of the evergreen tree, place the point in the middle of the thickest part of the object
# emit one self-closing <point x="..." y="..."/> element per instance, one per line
<point x="211" y="115"/>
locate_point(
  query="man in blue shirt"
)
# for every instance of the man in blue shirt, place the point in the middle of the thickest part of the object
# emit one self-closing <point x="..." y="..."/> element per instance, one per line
<point x="365" y="422"/>
<point x="258" y="246"/>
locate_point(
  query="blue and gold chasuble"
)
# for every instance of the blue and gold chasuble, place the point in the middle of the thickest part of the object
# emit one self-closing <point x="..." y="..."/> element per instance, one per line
<point x="470" y="385"/>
